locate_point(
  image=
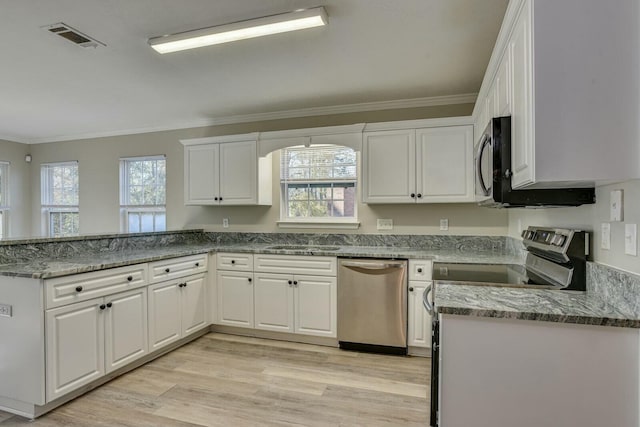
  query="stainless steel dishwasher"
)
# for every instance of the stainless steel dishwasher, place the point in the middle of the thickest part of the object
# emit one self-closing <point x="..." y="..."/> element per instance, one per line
<point x="372" y="305"/>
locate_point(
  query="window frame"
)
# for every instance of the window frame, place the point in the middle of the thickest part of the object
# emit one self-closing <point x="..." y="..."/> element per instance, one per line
<point x="319" y="222"/>
<point x="127" y="208"/>
<point x="46" y="205"/>
<point x="5" y="201"/>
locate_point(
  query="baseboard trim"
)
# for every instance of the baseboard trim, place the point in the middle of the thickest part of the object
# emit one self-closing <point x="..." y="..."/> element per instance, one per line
<point x="280" y="336"/>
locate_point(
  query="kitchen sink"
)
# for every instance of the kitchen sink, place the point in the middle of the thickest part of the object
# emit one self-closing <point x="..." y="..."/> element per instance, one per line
<point x="306" y="248"/>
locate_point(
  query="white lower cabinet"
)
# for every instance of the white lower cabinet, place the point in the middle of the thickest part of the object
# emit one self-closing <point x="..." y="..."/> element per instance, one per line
<point x="296" y="304"/>
<point x="419" y="327"/>
<point x="88" y="339"/>
<point x="235" y="298"/>
<point x="176" y="309"/>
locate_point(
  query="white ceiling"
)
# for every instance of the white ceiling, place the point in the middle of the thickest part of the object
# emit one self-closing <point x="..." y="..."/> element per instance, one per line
<point x="371" y="51"/>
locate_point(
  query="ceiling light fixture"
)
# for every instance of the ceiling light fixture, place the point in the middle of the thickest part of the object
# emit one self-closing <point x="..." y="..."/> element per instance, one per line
<point x="274" y="24"/>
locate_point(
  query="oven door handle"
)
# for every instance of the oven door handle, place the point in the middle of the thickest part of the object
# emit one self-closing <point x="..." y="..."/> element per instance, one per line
<point x="483" y="143"/>
<point x="425" y="299"/>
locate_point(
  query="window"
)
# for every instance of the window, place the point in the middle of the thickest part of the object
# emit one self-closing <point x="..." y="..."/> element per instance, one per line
<point x="143" y="182"/>
<point x="4" y="199"/>
<point x="318" y="183"/>
<point x="61" y="216"/>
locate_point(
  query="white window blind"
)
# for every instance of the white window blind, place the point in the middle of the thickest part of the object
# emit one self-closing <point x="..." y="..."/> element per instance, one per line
<point x="318" y="182"/>
<point x="143" y="182"/>
<point x="4" y="198"/>
<point x="59" y="198"/>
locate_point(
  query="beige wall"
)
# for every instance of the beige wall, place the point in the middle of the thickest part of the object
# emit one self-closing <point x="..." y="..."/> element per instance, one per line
<point x="590" y="218"/>
<point x="20" y="188"/>
<point x="98" y="169"/>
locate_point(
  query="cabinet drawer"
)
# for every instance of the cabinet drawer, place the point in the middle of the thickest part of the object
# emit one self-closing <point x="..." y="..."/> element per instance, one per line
<point x="420" y="269"/>
<point x="177" y="267"/>
<point x="299" y="264"/>
<point x="81" y="287"/>
<point x="235" y="261"/>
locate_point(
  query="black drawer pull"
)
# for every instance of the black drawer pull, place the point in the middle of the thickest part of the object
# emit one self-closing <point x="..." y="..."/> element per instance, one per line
<point x="295" y="283"/>
<point x="233" y="261"/>
<point x="129" y="278"/>
<point x="109" y="304"/>
<point x="250" y="280"/>
<point x="197" y="264"/>
<point x="420" y="270"/>
<point x="166" y="270"/>
<point x="78" y="288"/>
<point x="410" y="289"/>
<point x="102" y="306"/>
<point x="290" y="282"/>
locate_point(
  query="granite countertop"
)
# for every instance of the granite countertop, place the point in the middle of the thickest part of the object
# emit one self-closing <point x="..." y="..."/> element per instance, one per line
<point x="54" y="267"/>
<point x="532" y="304"/>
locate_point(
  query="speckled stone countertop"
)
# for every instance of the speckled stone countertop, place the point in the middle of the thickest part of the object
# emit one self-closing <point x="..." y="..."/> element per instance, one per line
<point x="532" y="304"/>
<point x="53" y="267"/>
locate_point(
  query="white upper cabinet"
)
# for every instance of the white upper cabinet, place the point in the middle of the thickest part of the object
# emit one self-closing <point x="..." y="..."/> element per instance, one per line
<point x="566" y="75"/>
<point x="226" y="171"/>
<point x="424" y="165"/>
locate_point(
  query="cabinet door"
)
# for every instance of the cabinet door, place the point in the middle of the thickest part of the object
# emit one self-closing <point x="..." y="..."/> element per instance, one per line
<point x="522" y="147"/>
<point x="502" y="87"/>
<point x="389" y="166"/>
<point x="445" y="172"/>
<point x="315" y="305"/>
<point x="201" y="174"/>
<point x="419" y="328"/>
<point x="238" y="173"/>
<point x="126" y="333"/>
<point x="75" y="346"/>
<point x="273" y="295"/>
<point x="194" y="304"/>
<point x="235" y="298"/>
<point x="164" y="314"/>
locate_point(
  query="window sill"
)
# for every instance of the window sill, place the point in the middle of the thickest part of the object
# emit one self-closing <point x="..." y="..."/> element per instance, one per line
<point x="342" y="225"/>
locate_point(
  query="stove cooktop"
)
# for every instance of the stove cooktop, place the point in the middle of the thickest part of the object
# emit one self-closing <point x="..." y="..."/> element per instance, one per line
<point x="514" y="275"/>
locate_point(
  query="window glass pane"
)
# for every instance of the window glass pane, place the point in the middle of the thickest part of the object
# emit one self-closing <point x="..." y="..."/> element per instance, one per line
<point x="338" y="209"/>
<point x="146" y="223"/>
<point x="298" y="209"/>
<point x="161" y="222"/>
<point x="320" y="193"/>
<point x="143" y="193"/>
<point x="63" y="223"/>
<point x="298" y="193"/>
<point x="319" y="209"/>
<point x="134" y="222"/>
<point x="1" y="224"/>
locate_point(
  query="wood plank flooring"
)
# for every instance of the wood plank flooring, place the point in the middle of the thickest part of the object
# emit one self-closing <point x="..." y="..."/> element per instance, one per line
<point x="226" y="380"/>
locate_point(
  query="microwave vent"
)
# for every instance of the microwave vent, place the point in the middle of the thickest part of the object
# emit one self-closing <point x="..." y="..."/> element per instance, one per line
<point x="74" y="36"/>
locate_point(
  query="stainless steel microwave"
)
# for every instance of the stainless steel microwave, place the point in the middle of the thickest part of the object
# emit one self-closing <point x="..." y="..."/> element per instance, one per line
<point x="493" y="175"/>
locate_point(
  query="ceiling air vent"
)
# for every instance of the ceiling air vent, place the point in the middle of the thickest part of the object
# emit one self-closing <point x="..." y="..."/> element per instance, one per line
<point x="73" y="35"/>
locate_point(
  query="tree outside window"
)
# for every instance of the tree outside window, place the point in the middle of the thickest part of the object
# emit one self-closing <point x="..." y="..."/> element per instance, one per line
<point x="143" y="182"/>
<point x="59" y="198"/>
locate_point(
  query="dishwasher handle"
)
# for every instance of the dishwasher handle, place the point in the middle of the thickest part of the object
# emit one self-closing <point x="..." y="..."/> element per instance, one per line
<point x="373" y="265"/>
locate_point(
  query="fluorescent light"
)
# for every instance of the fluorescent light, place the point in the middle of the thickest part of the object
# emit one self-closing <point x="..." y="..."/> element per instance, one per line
<point x="292" y="21"/>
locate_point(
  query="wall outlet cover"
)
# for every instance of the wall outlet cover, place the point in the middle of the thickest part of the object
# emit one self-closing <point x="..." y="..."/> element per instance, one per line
<point x="5" y="310"/>
<point x="385" y="224"/>
<point x="225" y="222"/>
<point x="631" y="239"/>
<point x="617" y="206"/>
<point x="605" y="242"/>
<point x="444" y="224"/>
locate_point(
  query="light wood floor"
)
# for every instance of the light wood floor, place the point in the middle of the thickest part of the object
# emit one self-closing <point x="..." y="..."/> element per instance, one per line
<point x="225" y="380"/>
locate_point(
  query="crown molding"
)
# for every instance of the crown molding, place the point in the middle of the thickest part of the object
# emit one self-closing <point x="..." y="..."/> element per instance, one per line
<point x="13" y="138"/>
<point x="432" y="101"/>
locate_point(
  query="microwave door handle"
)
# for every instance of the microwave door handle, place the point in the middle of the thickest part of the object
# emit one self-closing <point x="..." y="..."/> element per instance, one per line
<point x="479" y="154"/>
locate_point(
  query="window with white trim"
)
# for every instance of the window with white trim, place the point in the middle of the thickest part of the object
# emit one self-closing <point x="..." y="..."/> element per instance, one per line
<point x="318" y="183"/>
<point x="59" y="198"/>
<point x="143" y="182"/>
<point x="4" y="199"/>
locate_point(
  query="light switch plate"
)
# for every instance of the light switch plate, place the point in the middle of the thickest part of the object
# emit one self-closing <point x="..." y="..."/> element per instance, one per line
<point x="631" y="239"/>
<point x="5" y="310"/>
<point x="606" y="236"/>
<point x="385" y="224"/>
<point x="617" y="206"/>
<point x="444" y="224"/>
<point x="225" y="222"/>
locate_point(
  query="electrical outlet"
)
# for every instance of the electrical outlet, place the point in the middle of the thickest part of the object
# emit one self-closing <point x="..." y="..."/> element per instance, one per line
<point x="225" y="222"/>
<point x="444" y="224"/>
<point x="606" y="236"/>
<point x="385" y="224"/>
<point x="631" y="239"/>
<point x="5" y="310"/>
<point x="617" y="206"/>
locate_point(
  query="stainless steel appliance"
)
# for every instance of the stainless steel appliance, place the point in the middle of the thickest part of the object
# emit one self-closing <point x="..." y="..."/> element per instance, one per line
<point x="493" y="175"/>
<point x="556" y="259"/>
<point x="372" y="305"/>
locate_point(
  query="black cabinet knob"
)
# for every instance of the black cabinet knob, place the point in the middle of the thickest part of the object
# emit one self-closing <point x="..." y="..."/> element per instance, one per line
<point x="102" y="306"/>
<point x="129" y="278"/>
<point x="410" y="289"/>
<point x="197" y="264"/>
<point x="233" y="261"/>
<point x="166" y="270"/>
<point x="215" y="198"/>
<point x="419" y="196"/>
<point x="78" y="288"/>
<point x="295" y="282"/>
<point x="290" y="282"/>
<point x="413" y="195"/>
<point x="109" y="304"/>
<point x="220" y="198"/>
<point x="250" y="280"/>
<point x="184" y="285"/>
<point x="419" y="270"/>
